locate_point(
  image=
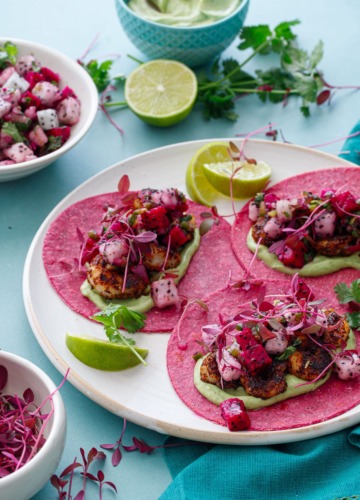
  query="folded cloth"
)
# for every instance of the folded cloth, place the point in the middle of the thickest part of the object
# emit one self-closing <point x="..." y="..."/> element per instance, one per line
<point x="323" y="468"/>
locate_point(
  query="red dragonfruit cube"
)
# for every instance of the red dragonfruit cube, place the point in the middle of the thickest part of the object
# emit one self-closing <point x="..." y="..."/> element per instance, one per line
<point x="63" y="132"/>
<point x="67" y="92"/>
<point x="49" y="75"/>
<point x="178" y="237"/>
<point x="344" y="202"/>
<point x="156" y="219"/>
<point x="246" y="339"/>
<point x="33" y="77"/>
<point x="29" y="99"/>
<point x="234" y="413"/>
<point x="255" y="359"/>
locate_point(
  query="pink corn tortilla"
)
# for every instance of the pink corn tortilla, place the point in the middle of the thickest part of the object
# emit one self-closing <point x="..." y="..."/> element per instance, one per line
<point x="333" y="178"/>
<point x="328" y="401"/>
<point x="61" y="251"/>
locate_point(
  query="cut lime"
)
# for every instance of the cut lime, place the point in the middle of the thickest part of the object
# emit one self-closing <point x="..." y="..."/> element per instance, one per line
<point x="197" y="184"/>
<point x="102" y="354"/>
<point x="161" y="92"/>
<point x="248" y="179"/>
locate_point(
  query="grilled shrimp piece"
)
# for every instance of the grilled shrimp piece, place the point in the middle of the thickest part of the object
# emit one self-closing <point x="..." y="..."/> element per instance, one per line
<point x="155" y="255"/>
<point x="308" y="364"/>
<point x="268" y="383"/>
<point x="108" y="280"/>
<point x="209" y="372"/>
<point x="258" y="232"/>
<point x="340" y="335"/>
<point x="333" y="247"/>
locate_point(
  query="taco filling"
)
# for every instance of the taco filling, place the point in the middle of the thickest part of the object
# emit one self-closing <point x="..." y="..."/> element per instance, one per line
<point x="284" y="354"/>
<point x="310" y="234"/>
<point x="140" y="252"/>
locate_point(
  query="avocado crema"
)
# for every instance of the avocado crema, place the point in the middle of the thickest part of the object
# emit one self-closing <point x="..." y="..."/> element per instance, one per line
<point x="295" y="387"/>
<point x="320" y="266"/>
<point x="145" y="302"/>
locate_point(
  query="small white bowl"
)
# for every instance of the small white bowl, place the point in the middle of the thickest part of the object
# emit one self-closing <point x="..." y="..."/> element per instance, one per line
<point x="71" y="74"/>
<point x="29" y="479"/>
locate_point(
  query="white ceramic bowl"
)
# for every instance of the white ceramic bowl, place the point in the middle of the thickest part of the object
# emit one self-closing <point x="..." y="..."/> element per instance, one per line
<point x="29" y="479"/>
<point x="73" y="75"/>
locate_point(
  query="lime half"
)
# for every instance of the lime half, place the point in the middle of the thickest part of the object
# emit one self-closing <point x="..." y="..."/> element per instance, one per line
<point x="248" y="179"/>
<point x="161" y="92"/>
<point x="102" y="354"/>
<point x="198" y="186"/>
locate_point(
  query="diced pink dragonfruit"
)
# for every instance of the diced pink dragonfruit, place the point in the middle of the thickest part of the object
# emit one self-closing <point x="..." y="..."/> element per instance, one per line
<point x="5" y="140"/>
<point x="19" y="152"/>
<point x="5" y="163"/>
<point x="68" y="111"/>
<point x="5" y="74"/>
<point x="164" y="293"/>
<point x="31" y="112"/>
<point x="4" y="107"/>
<point x="46" y="92"/>
<point x="25" y="64"/>
<point x="17" y="116"/>
<point x="38" y="136"/>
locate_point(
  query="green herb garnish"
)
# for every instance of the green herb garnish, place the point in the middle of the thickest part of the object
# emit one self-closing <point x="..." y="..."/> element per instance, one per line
<point x="346" y="294"/>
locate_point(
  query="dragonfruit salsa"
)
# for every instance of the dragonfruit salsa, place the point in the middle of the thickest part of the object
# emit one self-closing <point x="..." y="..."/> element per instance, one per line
<point x="141" y="252"/>
<point x="311" y="234"/>
<point x="36" y="112"/>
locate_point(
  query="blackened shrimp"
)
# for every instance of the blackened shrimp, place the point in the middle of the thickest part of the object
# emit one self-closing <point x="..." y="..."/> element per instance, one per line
<point x="108" y="280"/>
<point x="333" y="247"/>
<point x="308" y="364"/>
<point x="268" y="383"/>
<point x="155" y="255"/>
<point x="338" y="336"/>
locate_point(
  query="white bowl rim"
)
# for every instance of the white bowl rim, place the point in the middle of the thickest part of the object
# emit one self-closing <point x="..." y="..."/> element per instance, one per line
<point x="92" y="106"/>
<point x="59" y="416"/>
<point x="184" y="29"/>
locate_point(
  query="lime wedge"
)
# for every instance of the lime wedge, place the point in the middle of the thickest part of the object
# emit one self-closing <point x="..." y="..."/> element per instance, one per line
<point x="198" y="186"/>
<point x="248" y="180"/>
<point x="161" y="92"/>
<point x="102" y="354"/>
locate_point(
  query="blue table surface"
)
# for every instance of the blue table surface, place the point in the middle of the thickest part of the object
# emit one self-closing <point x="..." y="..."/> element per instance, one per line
<point x="70" y="26"/>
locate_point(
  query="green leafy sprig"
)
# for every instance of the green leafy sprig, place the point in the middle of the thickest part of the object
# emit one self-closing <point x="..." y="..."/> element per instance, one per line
<point x="115" y="317"/>
<point x="350" y="294"/>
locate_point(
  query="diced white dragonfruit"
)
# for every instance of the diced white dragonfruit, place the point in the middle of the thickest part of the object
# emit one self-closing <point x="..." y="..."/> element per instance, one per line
<point x="48" y="118"/>
<point x="253" y="211"/>
<point x="115" y="251"/>
<point x="324" y="225"/>
<point x="19" y="152"/>
<point x="164" y="293"/>
<point x="26" y="63"/>
<point x="273" y="227"/>
<point x="68" y="111"/>
<point x="15" y="81"/>
<point x="38" y="136"/>
<point x="348" y="367"/>
<point x="4" y="107"/>
<point x="46" y="92"/>
<point x="5" y="74"/>
<point x="284" y="210"/>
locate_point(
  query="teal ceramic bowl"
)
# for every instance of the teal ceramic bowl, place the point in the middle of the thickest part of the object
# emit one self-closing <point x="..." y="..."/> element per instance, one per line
<point x="193" y="46"/>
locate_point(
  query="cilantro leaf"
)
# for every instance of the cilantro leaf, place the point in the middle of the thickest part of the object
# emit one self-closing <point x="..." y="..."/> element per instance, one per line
<point x="346" y="293"/>
<point x="254" y="36"/>
<point x="116" y="317"/>
<point x="9" y="128"/>
<point x="354" y="319"/>
<point x="8" y="53"/>
<point x="99" y="72"/>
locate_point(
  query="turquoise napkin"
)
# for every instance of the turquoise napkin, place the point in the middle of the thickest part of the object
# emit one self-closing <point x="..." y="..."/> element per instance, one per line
<point x="324" y="468"/>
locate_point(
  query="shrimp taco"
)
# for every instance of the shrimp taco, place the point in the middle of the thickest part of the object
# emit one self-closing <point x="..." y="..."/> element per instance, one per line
<point x="287" y="357"/>
<point x="139" y="249"/>
<point x="308" y="224"/>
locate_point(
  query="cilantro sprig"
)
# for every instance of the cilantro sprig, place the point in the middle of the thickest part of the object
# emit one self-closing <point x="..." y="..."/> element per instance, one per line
<point x="350" y="294"/>
<point x="8" y="53"/>
<point x="115" y="317"/>
<point x="295" y="74"/>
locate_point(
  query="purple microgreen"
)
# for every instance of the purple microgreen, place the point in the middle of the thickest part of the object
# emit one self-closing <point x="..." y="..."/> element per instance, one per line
<point x="124" y="185"/>
<point x="3" y="377"/>
<point x="205" y="226"/>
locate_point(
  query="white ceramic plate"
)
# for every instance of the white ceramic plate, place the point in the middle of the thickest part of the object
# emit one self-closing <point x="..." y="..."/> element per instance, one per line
<point x="145" y="395"/>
